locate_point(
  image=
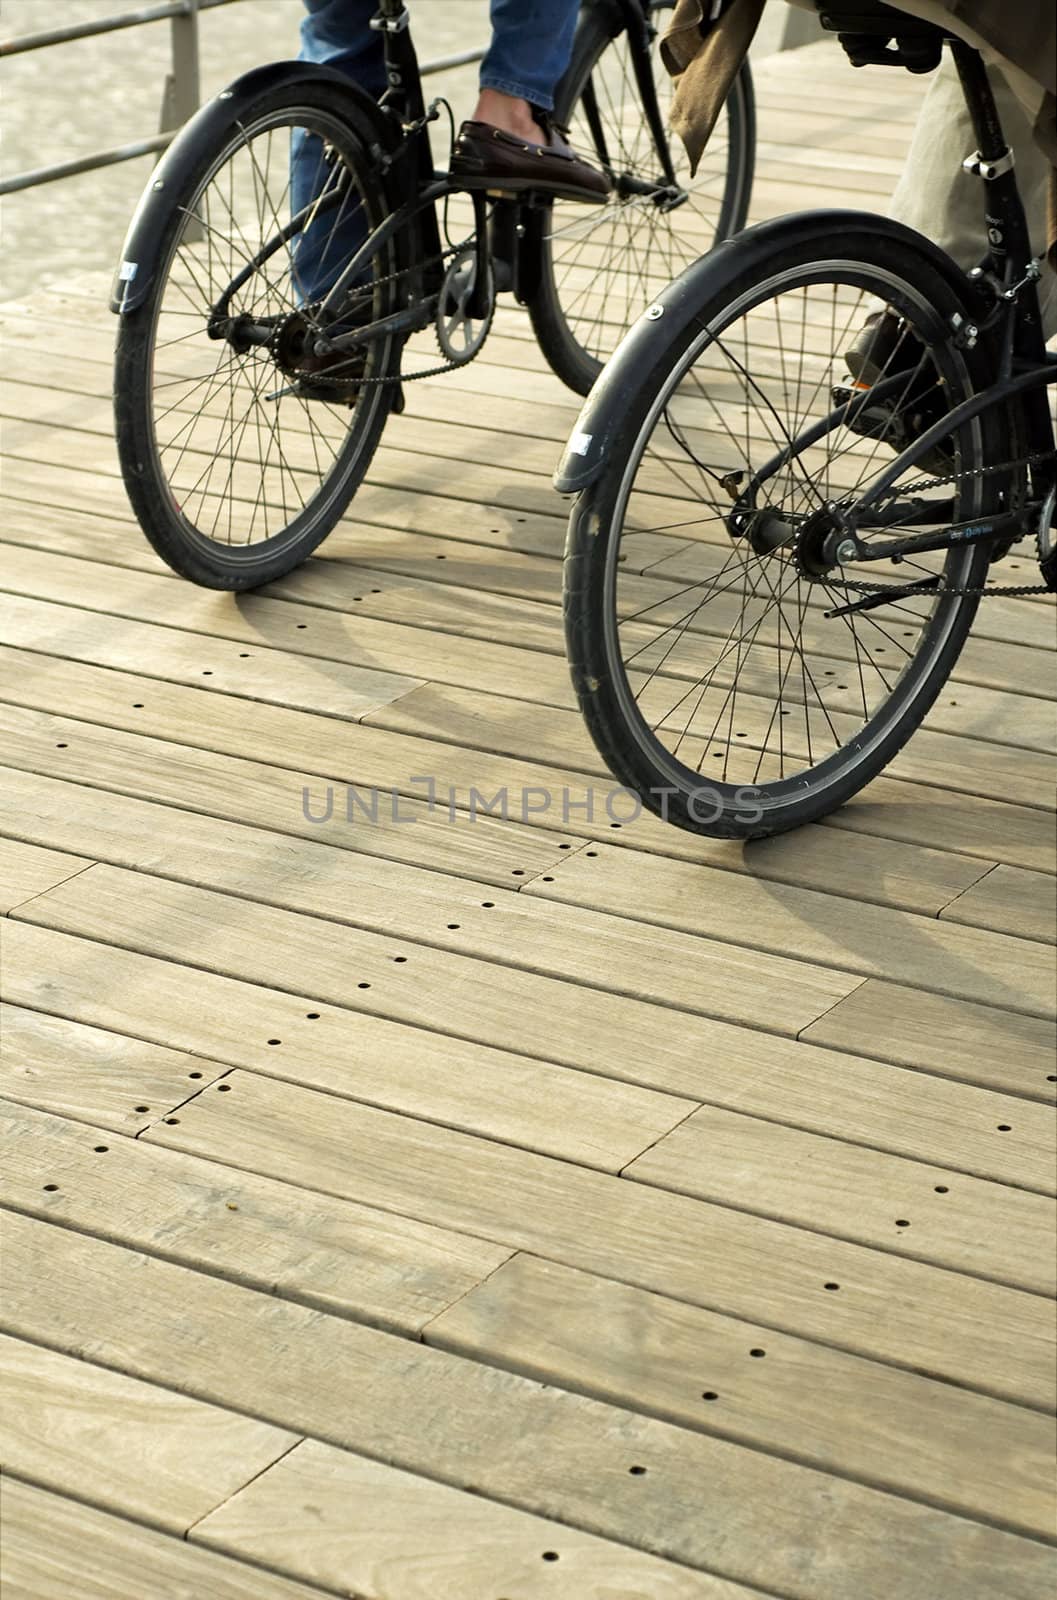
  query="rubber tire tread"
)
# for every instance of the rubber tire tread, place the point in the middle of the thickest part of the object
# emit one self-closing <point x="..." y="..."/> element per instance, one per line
<point x="590" y="532"/>
<point x="148" y="493"/>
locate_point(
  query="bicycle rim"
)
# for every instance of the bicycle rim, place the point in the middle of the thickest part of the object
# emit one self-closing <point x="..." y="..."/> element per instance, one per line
<point x="249" y="465"/>
<point x="729" y="672"/>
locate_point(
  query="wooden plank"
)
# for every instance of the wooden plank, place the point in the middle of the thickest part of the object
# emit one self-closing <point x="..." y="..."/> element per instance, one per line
<point x="336" y="1255"/>
<point x="1010" y="901"/>
<point x="53" y="1546"/>
<point x="262" y="673"/>
<point x="487" y="848"/>
<point x="93" y="1075"/>
<point x="890" y="808"/>
<point x="125" y="1444"/>
<point x="295" y="739"/>
<point x="499" y="530"/>
<point x="504" y="1005"/>
<point x="546" y="931"/>
<point x="963" y="1223"/>
<point x="876" y="941"/>
<point x="895" y="1430"/>
<point x="362" y="1528"/>
<point x="924" y="815"/>
<point x="704" y="1502"/>
<point x="942" y="1035"/>
<point x="575" y="1116"/>
<point x="443" y="836"/>
<point x="982" y="662"/>
<point x="26" y="870"/>
<point x="475" y="437"/>
<point x="893" y="1309"/>
<point x="597" y="1122"/>
<point x="330" y="667"/>
<point x="468" y="778"/>
<point x="409" y="903"/>
<point x="394" y="631"/>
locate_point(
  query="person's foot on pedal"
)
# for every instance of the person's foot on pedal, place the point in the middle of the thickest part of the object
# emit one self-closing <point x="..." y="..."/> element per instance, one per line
<point x="512" y="146"/>
<point x="869" y="356"/>
<point x="886" y="348"/>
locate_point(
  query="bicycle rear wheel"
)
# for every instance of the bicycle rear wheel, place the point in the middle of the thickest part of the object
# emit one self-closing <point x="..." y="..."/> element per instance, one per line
<point x="602" y="265"/>
<point x="712" y="673"/>
<point x="236" y="463"/>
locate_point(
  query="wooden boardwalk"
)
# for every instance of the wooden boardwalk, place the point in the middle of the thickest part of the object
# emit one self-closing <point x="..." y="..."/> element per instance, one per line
<point x="453" y="1208"/>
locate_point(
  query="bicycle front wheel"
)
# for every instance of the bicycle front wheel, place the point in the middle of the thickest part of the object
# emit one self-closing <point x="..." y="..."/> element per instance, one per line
<point x="238" y="458"/>
<point x="602" y="265"/>
<point x="717" y="671"/>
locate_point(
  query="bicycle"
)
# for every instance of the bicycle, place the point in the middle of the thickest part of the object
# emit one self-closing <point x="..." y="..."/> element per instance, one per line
<point x="264" y="334"/>
<point x="761" y="604"/>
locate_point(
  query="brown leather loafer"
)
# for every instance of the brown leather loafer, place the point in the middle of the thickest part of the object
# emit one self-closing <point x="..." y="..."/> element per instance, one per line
<point x="484" y="157"/>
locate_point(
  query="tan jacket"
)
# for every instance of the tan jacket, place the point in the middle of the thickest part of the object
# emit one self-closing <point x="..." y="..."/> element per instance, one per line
<point x="704" y="56"/>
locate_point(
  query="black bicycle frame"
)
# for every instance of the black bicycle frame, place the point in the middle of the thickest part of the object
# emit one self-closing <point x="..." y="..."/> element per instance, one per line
<point x="403" y="97"/>
<point x="633" y="17"/>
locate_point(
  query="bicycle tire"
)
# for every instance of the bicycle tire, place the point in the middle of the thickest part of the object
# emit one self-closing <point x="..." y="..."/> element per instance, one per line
<point x="875" y="258"/>
<point x="199" y="518"/>
<point x="574" y="344"/>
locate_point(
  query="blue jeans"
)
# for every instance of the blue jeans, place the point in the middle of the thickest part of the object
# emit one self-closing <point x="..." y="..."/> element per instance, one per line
<point x="532" y="42"/>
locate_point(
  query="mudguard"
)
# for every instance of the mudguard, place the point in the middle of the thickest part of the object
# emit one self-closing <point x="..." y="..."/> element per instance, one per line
<point x="646" y="342"/>
<point x="206" y="131"/>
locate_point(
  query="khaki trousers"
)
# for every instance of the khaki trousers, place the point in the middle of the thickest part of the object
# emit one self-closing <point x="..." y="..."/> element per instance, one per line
<point x="934" y="195"/>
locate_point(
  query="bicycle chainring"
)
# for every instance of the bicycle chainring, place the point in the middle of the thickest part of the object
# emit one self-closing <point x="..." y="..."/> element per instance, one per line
<point x="460" y="334"/>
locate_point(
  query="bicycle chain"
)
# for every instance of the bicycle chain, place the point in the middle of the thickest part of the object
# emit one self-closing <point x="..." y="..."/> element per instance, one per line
<point x="1013" y="590"/>
<point x="403" y="377"/>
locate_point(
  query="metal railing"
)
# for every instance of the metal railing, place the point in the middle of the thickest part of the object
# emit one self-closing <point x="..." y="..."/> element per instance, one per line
<point x="180" y="95"/>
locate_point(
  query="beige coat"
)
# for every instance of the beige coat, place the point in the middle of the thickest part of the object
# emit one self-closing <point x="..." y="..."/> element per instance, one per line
<point x="703" y="56"/>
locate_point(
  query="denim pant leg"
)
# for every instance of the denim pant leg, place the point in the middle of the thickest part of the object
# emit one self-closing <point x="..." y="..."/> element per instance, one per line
<point x="532" y="41"/>
<point x="336" y="33"/>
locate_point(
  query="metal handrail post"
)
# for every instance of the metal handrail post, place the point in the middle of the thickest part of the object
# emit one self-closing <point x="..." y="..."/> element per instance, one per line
<point x="182" y="95"/>
<point x="183" y="90"/>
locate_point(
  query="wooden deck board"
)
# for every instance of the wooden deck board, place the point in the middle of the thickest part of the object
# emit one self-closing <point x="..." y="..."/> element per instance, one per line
<point x="389" y="1271"/>
<point x="480" y="1152"/>
<point x="337" y="1518"/>
<point x="55" y="1546"/>
<point x="128" y="1445"/>
<point x="597" y="1120"/>
<point x="27" y="870"/>
<point x="639" y="1234"/>
<point x="894" y="1429"/>
<point x="703" y="1501"/>
<point x="91" y="1075"/>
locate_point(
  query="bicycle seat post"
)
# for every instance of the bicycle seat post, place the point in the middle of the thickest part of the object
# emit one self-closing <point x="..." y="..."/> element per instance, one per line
<point x="403" y="97"/>
<point x="993" y="158"/>
<point x="1009" y="263"/>
<point x="404" y="86"/>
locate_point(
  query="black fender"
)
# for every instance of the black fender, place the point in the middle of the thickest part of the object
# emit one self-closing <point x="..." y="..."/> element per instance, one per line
<point x="662" y="323"/>
<point x="206" y="130"/>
